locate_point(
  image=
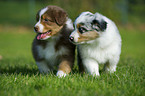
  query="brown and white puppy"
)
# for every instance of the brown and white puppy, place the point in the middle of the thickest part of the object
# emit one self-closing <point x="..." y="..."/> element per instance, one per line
<point x="51" y="47"/>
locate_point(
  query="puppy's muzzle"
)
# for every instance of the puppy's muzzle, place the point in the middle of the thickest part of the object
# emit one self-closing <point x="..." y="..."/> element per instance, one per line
<point x="71" y="39"/>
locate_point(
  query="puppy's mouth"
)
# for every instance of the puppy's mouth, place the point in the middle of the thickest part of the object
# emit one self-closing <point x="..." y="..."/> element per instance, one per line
<point x="43" y="36"/>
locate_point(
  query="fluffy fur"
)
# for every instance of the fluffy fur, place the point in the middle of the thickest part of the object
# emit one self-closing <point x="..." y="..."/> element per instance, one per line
<point x="51" y="47"/>
<point x="98" y="42"/>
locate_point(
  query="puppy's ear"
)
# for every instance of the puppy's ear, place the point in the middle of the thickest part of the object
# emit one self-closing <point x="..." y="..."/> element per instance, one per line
<point x="60" y="17"/>
<point x="37" y="16"/>
<point x="102" y="25"/>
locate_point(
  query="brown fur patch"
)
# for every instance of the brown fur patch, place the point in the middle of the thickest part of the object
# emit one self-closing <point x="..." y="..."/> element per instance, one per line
<point x="87" y="36"/>
<point x="65" y="66"/>
<point x="57" y="15"/>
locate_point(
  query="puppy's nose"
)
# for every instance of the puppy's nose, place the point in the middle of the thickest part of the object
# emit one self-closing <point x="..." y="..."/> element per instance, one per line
<point x="71" y="38"/>
<point x="36" y="29"/>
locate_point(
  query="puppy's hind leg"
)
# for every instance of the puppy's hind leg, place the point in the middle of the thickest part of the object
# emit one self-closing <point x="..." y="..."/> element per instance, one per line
<point x="43" y="67"/>
<point x="91" y="67"/>
<point x="111" y="65"/>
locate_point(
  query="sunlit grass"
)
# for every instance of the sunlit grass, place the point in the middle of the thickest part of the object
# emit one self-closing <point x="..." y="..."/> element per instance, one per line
<point x="19" y="75"/>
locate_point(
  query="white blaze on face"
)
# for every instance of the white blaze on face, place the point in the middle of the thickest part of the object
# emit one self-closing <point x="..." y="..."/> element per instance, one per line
<point x="75" y="35"/>
<point x="38" y="24"/>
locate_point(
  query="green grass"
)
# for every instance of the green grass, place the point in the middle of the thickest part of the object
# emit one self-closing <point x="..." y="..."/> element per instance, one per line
<point x="19" y="75"/>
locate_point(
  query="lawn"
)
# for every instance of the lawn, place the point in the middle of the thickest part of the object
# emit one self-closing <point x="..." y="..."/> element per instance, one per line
<point x="19" y="75"/>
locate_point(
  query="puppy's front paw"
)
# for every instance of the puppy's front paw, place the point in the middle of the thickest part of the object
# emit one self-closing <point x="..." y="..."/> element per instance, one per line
<point x="110" y="69"/>
<point x="60" y="74"/>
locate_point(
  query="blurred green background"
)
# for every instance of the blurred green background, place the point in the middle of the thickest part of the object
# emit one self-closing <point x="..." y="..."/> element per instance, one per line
<point x="22" y="12"/>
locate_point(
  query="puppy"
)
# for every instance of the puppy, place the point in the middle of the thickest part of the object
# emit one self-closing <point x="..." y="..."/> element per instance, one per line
<point x="51" y="47"/>
<point x="98" y="41"/>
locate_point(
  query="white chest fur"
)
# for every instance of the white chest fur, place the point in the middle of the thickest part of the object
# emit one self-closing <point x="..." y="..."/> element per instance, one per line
<point x="98" y="53"/>
<point x="50" y="54"/>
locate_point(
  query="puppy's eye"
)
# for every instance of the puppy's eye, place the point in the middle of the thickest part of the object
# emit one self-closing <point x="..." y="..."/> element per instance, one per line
<point x="82" y="29"/>
<point x="46" y="20"/>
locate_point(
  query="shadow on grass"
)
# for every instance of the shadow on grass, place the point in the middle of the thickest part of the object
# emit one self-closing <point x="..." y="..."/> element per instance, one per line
<point x="35" y="71"/>
<point x="24" y="70"/>
<point x="29" y="68"/>
<point x="19" y="70"/>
